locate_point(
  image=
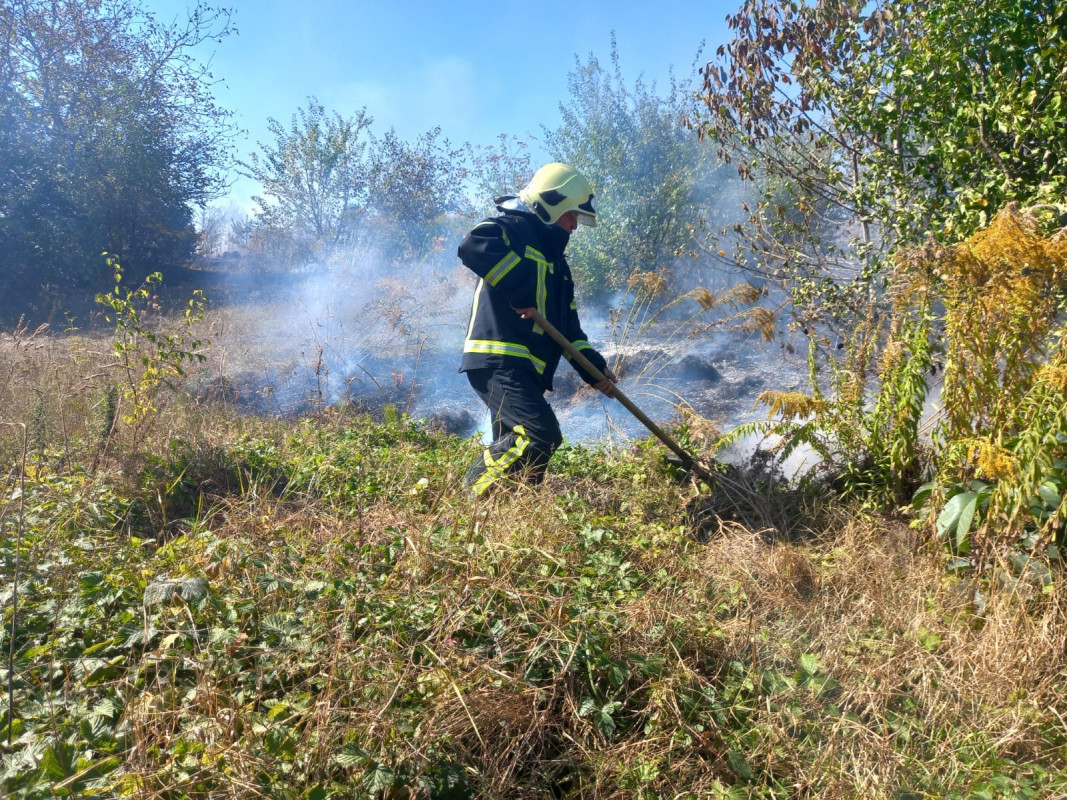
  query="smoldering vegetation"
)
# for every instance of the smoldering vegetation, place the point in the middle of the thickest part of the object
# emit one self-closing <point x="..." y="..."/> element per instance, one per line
<point x="357" y="333"/>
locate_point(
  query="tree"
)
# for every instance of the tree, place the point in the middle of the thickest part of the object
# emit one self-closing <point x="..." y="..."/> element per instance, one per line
<point x="883" y="137"/>
<point x="108" y="132"/>
<point x="651" y="176"/>
<point x="873" y="126"/>
<point x="328" y="183"/>
<point x="314" y="175"/>
<point x="496" y="171"/>
<point x="414" y="187"/>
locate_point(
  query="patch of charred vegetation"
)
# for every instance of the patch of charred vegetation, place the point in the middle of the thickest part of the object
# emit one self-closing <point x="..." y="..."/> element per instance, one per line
<point x="756" y="495"/>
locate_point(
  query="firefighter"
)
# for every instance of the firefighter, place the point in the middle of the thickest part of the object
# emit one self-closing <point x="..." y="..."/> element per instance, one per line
<point x="509" y="360"/>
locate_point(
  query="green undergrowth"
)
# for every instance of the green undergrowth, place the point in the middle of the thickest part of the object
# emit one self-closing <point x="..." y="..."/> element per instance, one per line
<point x="315" y="609"/>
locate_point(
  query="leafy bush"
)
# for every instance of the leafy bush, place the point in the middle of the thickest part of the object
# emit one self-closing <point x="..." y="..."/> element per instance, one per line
<point x="147" y="358"/>
<point x="989" y="311"/>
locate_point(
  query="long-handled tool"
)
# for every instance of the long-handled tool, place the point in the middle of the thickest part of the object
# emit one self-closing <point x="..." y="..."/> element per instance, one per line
<point x="688" y="462"/>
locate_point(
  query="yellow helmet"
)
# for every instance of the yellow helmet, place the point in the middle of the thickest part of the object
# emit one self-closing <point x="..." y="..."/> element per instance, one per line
<point x="556" y="189"/>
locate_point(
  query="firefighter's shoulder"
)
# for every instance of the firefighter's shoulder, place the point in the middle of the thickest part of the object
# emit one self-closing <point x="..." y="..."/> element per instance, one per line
<point x="490" y="229"/>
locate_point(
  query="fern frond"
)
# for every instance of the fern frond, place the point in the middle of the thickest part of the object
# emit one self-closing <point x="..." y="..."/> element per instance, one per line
<point x="760" y="427"/>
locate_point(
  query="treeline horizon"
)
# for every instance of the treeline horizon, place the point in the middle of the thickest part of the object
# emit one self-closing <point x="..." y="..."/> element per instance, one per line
<point x="113" y="142"/>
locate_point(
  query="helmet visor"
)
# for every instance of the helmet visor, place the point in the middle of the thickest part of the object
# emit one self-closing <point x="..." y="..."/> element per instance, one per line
<point x="586" y="213"/>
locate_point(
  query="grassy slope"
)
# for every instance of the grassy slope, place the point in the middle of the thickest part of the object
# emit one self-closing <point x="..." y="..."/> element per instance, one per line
<point x="217" y="606"/>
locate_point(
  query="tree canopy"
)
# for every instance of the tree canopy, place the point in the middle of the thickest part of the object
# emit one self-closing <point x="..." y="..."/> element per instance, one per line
<point x="870" y="126"/>
<point x="911" y="163"/>
<point x="108" y="132"/>
<point x="651" y="177"/>
<point x="329" y="183"/>
<point x="314" y="174"/>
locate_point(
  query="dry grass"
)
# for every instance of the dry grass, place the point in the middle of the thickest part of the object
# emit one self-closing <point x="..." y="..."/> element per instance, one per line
<point x="915" y="670"/>
<point x="373" y="636"/>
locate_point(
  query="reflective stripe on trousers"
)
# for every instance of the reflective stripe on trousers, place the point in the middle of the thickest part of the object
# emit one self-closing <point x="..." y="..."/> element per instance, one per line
<point x="496" y="468"/>
<point x="525" y="429"/>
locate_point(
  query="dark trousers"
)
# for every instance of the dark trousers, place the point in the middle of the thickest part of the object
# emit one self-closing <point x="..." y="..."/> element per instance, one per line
<point x="525" y="429"/>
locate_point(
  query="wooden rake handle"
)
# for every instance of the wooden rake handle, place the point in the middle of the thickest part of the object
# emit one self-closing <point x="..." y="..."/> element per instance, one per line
<point x="688" y="461"/>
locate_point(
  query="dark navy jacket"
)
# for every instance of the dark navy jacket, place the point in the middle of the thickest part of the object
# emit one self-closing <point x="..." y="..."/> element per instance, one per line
<point x="520" y="262"/>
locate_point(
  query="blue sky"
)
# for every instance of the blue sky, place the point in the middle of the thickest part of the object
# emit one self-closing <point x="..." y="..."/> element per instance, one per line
<point x="474" y="69"/>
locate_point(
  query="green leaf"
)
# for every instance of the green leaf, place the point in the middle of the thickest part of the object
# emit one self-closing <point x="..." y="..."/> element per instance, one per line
<point x="171" y="639"/>
<point x="16" y="729"/>
<point x="604" y="722"/>
<point x="922" y="494"/>
<point x="948" y="519"/>
<point x="963" y="524"/>
<point x="618" y="673"/>
<point x="58" y="761"/>
<point x="604" y="719"/>
<point x="351" y="755"/>
<point x="809" y="664"/>
<point x="930" y="640"/>
<point x="1048" y="493"/>
<point x="278" y="710"/>
<point x="164" y="590"/>
<point x="95" y="648"/>
<point x="739" y="765"/>
<point x="379" y="779"/>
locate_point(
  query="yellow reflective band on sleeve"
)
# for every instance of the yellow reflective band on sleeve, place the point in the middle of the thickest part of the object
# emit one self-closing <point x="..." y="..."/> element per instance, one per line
<point x="498" y="467"/>
<point x="543" y="268"/>
<point x="581" y="344"/>
<point x="542" y="291"/>
<point x="474" y="307"/>
<point x="503" y="267"/>
<point x="489" y="347"/>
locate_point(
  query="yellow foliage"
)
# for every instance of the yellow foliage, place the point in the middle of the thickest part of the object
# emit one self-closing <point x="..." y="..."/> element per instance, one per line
<point x="1005" y="272"/>
<point x="1053" y="375"/>
<point x="1000" y="289"/>
<point x="892" y="356"/>
<point x="992" y="461"/>
<point x="790" y="405"/>
<point x="1000" y="294"/>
